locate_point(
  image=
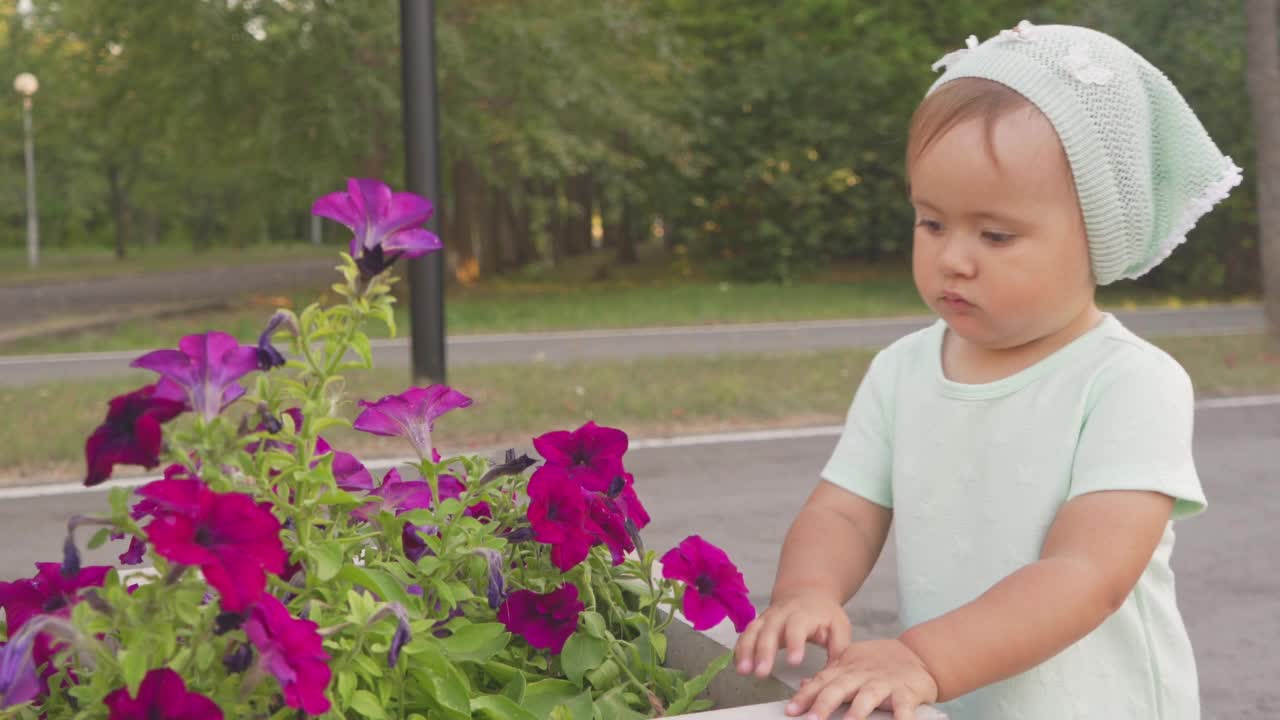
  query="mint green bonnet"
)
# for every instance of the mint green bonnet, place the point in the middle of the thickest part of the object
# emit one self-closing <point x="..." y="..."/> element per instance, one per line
<point x="1145" y="168"/>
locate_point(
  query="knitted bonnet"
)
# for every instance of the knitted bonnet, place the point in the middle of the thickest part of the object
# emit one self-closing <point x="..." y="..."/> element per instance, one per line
<point x="1145" y="168"/>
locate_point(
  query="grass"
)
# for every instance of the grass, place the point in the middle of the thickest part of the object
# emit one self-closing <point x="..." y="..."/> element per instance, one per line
<point x="44" y="426"/>
<point x="61" y="264"/>
<point x="657" y="291"/>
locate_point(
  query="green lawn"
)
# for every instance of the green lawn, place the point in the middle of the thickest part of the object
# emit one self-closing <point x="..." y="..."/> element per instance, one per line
<point x="44" y="426"/>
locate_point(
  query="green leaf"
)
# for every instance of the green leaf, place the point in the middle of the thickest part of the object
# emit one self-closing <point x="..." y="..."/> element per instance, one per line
<point x="338" y="498"/>
<point x="501" y="707"/>
<point x="366" y="703"/>
<point x="605" y="675"/>
<point x="544" y="695"/>
<point x="581" y="653"/>
<point x="697" y="685"/>
<point x="593" y="623"/>
<point x="449" y="688"/>
<point x="368" y="665"/>
<point x="99" y="538"/>
<point x="360" y="343"/>
<point x="516" y="688"/>
<point x="476" y="642"/>
<point x="612" y="706"/>
<point x="133" y="664"/>
<point x="329" y="559"/>
<point x="387" y="587"/>
<point x="346" y="686"/>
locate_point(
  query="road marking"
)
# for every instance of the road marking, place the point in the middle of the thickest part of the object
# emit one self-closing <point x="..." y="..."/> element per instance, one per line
<point x="725" y="438"/>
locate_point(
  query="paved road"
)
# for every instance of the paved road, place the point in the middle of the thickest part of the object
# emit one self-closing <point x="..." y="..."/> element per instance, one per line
<point x="562" y="347"/>
<point x="742" y="496"/>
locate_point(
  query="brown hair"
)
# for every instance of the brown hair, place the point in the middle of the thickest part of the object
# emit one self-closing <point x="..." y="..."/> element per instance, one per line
<point x="955" y="102"/>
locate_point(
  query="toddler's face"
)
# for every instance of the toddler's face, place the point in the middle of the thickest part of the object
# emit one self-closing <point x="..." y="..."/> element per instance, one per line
<point x="1004" y="233"/>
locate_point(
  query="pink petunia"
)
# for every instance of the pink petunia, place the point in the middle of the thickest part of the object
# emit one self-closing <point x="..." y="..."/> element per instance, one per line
<point x="50" y="592"/>
<point x="592" y="454"/>
<point x="292" y="650"/>
<point x="560" y="517"/>
<point x="206" y="369"/>
<point x="385" y="225"/>
<point x="232" y="538"/>
<point x="411" y="414"/>
<point x="162" y="696"/>
<point x="544" y="620"/>
<point x="714" y="587"/>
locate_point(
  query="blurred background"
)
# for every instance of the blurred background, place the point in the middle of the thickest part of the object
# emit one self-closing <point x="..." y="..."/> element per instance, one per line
<point x="605" y="164"/>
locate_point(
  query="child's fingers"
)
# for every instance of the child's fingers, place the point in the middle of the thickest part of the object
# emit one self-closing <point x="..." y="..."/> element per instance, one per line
<point x="825" y="694"/>
<point x="765" y="644"/>
<point x="797" y="634"/>
<point x="744" y="652"/>
<point x="839" y="637"/>
<point x="904" y="705"/>
<point x="869" y="697"/>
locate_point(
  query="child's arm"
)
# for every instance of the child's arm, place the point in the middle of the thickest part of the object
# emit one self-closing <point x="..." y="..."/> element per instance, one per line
<point x="830" y="549"/>
<point x="1096" y="550"/>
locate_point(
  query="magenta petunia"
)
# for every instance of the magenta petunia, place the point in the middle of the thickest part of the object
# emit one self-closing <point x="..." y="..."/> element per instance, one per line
<point x="162" y="696"/>
<point x="130" y="434"/>
<point x="592" y="454"/>
<point x="544" y="620"/>
<point x="50" y="592"/>
<point x="560" y="517"/>
<point x="714" y="587"/>
<point x="232" y="538"/>
<point x="207" y="368"/>
<point x="411" y="414"/>
<point x="19" y="681"/>
<point x="385" y="225"/>
<point x="292" y="650"/>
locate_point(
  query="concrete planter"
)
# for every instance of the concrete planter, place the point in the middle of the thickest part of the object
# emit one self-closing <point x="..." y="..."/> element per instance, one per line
<point x="743" y="698"/>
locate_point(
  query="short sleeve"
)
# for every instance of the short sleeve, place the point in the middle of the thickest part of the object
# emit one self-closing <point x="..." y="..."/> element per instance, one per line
<point x="862" y="461"/>
<point x="1137" y="435"/>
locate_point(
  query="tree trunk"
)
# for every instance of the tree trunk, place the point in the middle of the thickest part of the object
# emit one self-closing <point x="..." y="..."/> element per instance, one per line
<point x="462" y="255"/>
<point x="490" y="232"/>
<point x="578" y="228"/>
<point x="557" y="227"/>
<point x="1263" y="75"/>
<point x="522" y="229"/>
<point x="627" y="238"/>
<point x="119" y="209"/>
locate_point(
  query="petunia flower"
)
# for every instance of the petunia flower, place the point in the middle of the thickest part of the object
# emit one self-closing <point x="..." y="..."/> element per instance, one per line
<point x="293" y="651"/>
<point x="268" y="356"/>
<point x="385" y="225"/>
<point x="232" y="538"/>
<point x="49" y="593"/>
<point x="19" y="682"/>
<point x="207" y="368"/>
<point x="592" y="454"/>
<point x="162" y="696"/>
<point x="496" y="590"/>
<point x="714" y="587"/>
<point x="544" y="620"/>
<point x="559" y="516"/>
<point x="411" y="414"/>
<point x="130" y="434"/>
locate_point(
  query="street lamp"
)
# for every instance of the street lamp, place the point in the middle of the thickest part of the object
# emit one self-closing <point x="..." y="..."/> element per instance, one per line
<point x="26" y="85"/>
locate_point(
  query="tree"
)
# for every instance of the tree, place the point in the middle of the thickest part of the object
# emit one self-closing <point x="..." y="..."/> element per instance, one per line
<point x="1264" y="93"/>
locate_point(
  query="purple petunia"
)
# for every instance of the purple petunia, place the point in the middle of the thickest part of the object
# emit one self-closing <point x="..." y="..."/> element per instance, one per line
<point x="714" y="585"/>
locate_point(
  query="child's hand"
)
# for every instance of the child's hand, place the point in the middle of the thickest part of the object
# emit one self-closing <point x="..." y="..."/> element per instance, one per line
<point x="883" y="674"/>
<point x="792" y="622"/>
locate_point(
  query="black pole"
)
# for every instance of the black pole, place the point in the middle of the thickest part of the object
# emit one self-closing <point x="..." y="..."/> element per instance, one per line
<point x="422" y="170"/>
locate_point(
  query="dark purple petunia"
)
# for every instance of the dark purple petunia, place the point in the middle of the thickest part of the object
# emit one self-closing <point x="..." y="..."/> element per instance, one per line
<point x="206" y="367"/>
<point x="232" y="538"/>
<point x="544" y="620"/>
<point x="559" y="516"/>
<point x="130" y="434"/>
<point x="496" y="588"/>
<point x="714" y="587"/>
<point x="268" y="356"/>
<point x="592" y="454"/>
<point x="384" y="225"/>
<point x="411" y="414"/>
<point x="162" y="696"/>
<point x="293" y="651"/>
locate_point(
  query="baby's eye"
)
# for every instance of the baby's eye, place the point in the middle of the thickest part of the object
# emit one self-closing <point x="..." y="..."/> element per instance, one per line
<point x="932" y="226"/>
<point x="998" y="238"/>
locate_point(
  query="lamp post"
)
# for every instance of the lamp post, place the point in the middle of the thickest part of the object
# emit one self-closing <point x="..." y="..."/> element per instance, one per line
<point x="421" y="123"/>
<point x="26" y="85"/>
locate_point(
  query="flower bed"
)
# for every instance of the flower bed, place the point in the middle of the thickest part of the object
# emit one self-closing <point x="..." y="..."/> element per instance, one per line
<point x="288" y="580"/>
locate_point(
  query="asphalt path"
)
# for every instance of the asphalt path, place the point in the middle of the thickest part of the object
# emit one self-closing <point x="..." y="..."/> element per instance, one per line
<point x="563" y="347"/>
<point x="741" y="492"/>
